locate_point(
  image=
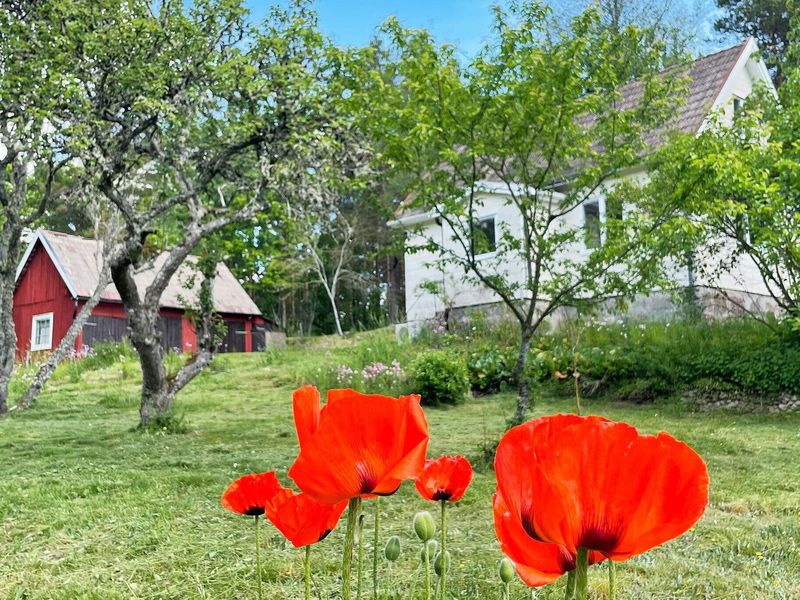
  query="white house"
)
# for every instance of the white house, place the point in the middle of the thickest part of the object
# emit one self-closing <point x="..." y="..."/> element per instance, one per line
<point x="717" y="85"/>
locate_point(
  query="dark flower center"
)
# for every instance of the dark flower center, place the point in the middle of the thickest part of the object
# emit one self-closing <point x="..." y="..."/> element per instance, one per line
<point x="254" y="511"/>
<point x="367" y="478"/>
<point x="527" y="522"/>
<point x="599" y="536"/>
<point x="442" y="495"/>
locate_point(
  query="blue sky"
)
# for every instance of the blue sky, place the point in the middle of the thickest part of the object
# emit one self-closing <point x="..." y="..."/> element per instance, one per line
<point x="463" y="23"/>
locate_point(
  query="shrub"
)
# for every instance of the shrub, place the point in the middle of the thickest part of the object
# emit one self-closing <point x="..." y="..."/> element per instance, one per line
<point x="440" y="377"/>
<point x="491" y="368"/>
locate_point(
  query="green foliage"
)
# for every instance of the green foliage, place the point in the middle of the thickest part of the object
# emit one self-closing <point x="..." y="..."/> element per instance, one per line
<point x="166" y="424"/>
<point x="644" y="361"/>
<point x="440" y="377"/>
<point x="491" y="368"/>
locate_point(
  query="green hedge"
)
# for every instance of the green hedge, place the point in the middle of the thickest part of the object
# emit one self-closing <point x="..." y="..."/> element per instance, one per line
<point x="740" y="353"/>
<point x="440" y="377"/>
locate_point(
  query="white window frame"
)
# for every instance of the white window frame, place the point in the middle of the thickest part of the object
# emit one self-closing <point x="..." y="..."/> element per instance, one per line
<point x="36" y="319"/>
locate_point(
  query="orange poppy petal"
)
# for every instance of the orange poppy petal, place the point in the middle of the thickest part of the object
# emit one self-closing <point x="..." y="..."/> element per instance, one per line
<point x="601" y="485"/>
<point x="249" y="494"/>
<point x="364" y="444"/>
<point x="301" y="520"/>
<point x="445" y="478"/>
<point x="306" y="408"/>
<point x="536" y="562"/>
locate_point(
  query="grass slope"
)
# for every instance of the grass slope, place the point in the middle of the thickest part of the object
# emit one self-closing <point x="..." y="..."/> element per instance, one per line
<point x="90" y="509"/>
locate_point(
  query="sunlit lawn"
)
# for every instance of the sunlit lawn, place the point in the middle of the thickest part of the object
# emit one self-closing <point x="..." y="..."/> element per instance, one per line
<point x="90" y="508"/>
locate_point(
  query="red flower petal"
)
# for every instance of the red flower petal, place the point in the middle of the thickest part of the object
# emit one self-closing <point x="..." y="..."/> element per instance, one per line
<point x="536" y="562"/>
<point x="249" y="494"/>
<point x="445" y="478"/>
<point x="363" y="444"/>
<point x="306" y="407"/>
<point x="585" y="482"/>
<point x="301" y="520"/>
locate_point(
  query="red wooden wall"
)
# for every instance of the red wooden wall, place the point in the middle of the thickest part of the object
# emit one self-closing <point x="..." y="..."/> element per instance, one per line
<point x="41" y="290"/>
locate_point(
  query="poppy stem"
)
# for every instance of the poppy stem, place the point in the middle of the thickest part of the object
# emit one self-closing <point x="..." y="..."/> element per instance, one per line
<point x="375" y="541"/>
<point x="308" y="572"/>
<point x="258" y="558"/>
<point x="443" y="581"/>
<point x="353" y="509"/>
<point x="427" y="571"/>
<point x="582" y="575"/>
<point x="612" y="580"/>
<point x="570" y="589"/>
<point x="360" y="575"/>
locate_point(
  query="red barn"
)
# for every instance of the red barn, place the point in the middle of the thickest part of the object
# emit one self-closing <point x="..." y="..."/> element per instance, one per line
<point x="59" y="272"/>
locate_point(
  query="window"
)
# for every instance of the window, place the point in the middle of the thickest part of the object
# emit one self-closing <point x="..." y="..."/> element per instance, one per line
<point x="738" y="104"/>
<point x="42" y="332"/>
<point x="484" y="240"/>
<point x="591" y="224"/>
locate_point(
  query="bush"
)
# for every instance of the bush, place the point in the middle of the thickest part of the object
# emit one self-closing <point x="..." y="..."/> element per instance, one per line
<point x="440" y="377"/>
<point x="491" y="368"/>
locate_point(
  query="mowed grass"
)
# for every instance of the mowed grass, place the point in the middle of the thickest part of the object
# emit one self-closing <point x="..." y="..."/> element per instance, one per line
<point x="91" y="509"/>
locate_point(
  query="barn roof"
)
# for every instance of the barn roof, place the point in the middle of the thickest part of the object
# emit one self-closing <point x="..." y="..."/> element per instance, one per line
<point x="78" y="262"/>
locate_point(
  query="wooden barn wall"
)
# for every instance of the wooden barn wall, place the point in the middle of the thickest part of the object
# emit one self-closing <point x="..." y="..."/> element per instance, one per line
<point x="41" y="290"/>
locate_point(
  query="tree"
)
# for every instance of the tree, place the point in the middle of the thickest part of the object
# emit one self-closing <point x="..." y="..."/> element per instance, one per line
<point x="535" y="118"/>
<point x="196" y="121"/>
<point x="667" y="22"/>
<point x="739" y="186"/>
<point x="36" y="119"/>
<point x="765" y="20"/>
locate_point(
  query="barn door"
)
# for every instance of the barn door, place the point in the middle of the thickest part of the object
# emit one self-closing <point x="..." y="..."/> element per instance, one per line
<point x="234" y="337"/>
<point x="171" y="333"/>
<point x="259" y="334"/>
<point x="104" y="329"/>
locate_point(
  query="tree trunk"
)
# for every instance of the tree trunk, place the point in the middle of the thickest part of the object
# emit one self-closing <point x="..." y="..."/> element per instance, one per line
<point x="332" y="297"/>
<point x="523" y="384"/>
<point x="8" y="342"/>
<point x="67" y="343"/>
<point x="156" y="401"/>
<point x="9" y="253"/>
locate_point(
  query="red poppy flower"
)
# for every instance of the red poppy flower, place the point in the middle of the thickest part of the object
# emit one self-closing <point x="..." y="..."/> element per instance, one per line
<point x="249" y="495"/>
<point x="301" y="520"/>
<point x="586" y="482"/>
<point x="445" y="478"/>
<point x="357" y="444"/>
<point x="537" y="563"/>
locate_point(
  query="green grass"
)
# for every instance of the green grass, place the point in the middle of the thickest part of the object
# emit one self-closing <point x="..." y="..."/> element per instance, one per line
<point x="91" y="509"/>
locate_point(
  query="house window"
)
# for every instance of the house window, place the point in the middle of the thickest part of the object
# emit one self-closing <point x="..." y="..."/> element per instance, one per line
<point x="42" y="332"/>
<point x="738" y="104"/>
<point x="591" y="224"/>
<point x="484" y="240"/>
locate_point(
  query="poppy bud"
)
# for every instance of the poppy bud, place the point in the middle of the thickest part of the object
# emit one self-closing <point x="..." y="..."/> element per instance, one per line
<point x="430" y="547"/>
<point x="392" y="549"/>
<point x="424" y="525"/>
<point x="506" y="570"/>
<point x="438" y="567"/>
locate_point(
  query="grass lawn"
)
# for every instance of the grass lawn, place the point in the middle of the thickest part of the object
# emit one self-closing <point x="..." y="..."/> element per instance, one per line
<point x="90" y="508"/>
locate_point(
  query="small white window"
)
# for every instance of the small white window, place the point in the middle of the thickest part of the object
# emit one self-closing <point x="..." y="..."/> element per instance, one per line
<point x="42" y="332"/>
